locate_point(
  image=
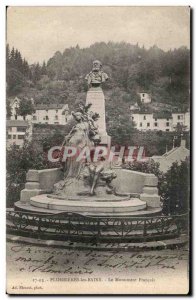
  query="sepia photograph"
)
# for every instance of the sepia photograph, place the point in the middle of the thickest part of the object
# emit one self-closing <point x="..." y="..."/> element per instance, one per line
<point x="98" y="122"/>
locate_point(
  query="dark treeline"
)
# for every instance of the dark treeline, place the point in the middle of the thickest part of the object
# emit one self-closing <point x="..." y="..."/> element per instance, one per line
<point x="19" y="73"/>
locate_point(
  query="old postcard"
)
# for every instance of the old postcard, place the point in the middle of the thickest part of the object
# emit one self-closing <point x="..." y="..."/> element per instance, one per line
<point x="98" y="150"/>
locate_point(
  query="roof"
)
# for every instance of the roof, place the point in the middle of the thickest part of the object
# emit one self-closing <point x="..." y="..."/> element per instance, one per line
<point x="162" y="115"/>
<point x="12" y="100"/>
<point x="16" y="123"/>
<point x="49" y="106"/>
<point x="142" y="113"/>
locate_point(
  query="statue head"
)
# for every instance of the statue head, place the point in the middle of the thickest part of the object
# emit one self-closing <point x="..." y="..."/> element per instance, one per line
<point x="97" y="65"/>
<point x="78" y="116"/>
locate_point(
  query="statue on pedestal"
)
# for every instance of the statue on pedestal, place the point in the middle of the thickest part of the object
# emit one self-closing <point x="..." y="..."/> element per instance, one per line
<point x="96" y="76"/>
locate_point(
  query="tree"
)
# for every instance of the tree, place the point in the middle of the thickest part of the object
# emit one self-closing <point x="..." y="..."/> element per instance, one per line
<point x="7" y="55"/>
<point x="36" y="73"/>
<point x="25" y="68"/>
<point x="43" y="68"/>
<point x="175" y="192"/>
<point x="26" y="107"/>
<point x="19" y="161"/>
<point x="12" y="57"/>
<point x="8" y="110"/>
<point x="15" y="81"/>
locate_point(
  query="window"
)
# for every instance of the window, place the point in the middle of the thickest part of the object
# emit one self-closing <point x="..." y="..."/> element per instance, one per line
<point x="155" y="124"/>
<point x="9" y="136"/>
<point x="21" y="129"/>
<point x="21" y="137"/>
<point x="167" y="119"/>
<point x="167" y="124"/>
<point x="132" y="118"/>
<point x="14" y="136"/>
<point x="140" y="124"/>
<point x="34" y="118"/>
<point x="46" y="118"/>
<point x="155" y="119"/>
<point x="15" y="117"/>
<point x="56" y="117"/>
<point x="56" y="110"/>
<point x="10" y="128"/>
<point x="180" y="117"/>
<point x="167" y="129"/>
<point x="144" y="117"/>
<point x="148" y="124"/>
<point x="143" y="95"/>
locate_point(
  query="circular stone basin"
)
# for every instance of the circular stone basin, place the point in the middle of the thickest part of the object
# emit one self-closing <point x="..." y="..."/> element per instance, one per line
<point x="93" y="198"/>
<point x="84" y="205"/>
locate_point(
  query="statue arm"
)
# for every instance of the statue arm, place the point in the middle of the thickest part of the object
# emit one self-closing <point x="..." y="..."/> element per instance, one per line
<point x="104" y="77"/>
<point x="88" y="78"/>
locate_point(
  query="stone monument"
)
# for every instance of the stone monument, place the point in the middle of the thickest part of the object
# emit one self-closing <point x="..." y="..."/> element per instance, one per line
<point x="90" y="187"/>
<point x="96" y="97"/>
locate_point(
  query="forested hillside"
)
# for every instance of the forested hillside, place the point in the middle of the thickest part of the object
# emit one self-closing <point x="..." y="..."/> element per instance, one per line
<point x="131" y="69"/>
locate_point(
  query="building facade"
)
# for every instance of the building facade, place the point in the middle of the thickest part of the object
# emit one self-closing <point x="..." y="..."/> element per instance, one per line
<point x="153" y="121"/>
<point x="145" y="98"/>
<point x="51" y="114"/>
<point x="14" y="104"/>
<point x="44" y="114"/>
<point x="17" y="132"/>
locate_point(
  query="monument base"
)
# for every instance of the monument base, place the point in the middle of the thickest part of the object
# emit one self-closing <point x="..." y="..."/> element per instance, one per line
<point x="136" y="194"/>
<point x="89" y="206"/>
<point x="105" y="140"/>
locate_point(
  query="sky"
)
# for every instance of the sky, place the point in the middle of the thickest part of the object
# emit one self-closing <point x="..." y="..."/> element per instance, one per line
<point x="38" y="32"/>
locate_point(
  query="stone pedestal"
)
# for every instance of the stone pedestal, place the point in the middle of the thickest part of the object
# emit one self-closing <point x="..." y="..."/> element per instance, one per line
<point x="150" y="191"/>
<point x="39" y="182"/>
<point x="95" y="96"/>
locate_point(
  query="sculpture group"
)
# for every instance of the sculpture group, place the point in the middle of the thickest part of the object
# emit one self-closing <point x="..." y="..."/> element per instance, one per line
<point x="90" y="186"/>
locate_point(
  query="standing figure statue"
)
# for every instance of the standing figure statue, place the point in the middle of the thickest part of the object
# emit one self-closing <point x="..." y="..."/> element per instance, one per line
<point x="79" y="174"/>
<point x="96" y="76"/>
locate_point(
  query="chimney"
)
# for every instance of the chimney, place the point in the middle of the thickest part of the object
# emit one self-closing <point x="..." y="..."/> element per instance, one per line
<point x="183" y="143"/>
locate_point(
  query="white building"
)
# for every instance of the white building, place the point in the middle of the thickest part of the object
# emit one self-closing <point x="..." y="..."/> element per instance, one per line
<point x="14" y="104"/>
<point x="135" y="107"/>
<point x="51" y="114"/>
<point x="177" y="154"/>
<point x="181" y="119"/>
<point x="44" y="114"/>
<point x="145" y="97"/>
<point x="17" y="131"/>
<point x="163" y="122"/>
